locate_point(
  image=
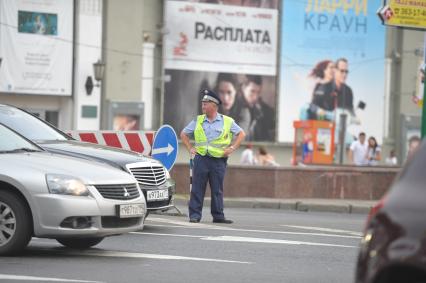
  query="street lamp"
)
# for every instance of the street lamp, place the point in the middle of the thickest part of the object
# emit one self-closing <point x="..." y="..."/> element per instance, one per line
<point x="98" y="70"/>
<point x="0" y="61"/>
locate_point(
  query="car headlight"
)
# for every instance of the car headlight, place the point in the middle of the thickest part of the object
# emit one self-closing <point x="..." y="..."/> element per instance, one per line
<point x="170" y="183"/>
<point x="167" y="173"/>
<point x="66" y="185"/>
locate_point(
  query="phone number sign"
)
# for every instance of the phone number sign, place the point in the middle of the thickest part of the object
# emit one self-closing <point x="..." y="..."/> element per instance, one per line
<point x="404" y="13"/>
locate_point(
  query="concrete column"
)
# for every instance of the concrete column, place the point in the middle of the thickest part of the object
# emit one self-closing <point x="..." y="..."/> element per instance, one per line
<point x="147" y="94"/>
<point x="88" y="50"/>
<point x="388" y="79"/>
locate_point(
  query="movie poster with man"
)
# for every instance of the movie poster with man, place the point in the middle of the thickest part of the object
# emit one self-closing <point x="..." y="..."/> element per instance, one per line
<point x="332" y="62"/>
<point x="229" y="47"/>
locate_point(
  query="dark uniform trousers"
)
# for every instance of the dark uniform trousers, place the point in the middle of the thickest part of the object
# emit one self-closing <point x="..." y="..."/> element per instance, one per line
<point x="211" y="169"/>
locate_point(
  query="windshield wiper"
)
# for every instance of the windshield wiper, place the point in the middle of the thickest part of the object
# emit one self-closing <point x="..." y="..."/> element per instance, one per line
<point x="22" y="149"/>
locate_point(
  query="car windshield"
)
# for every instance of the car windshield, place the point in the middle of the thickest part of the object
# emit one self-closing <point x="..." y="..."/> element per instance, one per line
<point x="27" y="125"/>
<point x="11" y="142"/>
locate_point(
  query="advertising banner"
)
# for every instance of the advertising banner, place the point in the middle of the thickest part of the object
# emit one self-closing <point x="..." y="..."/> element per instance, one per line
<point x="36" y="44"/>
<point x="231" y="49"/>
<point x="404" y="13"/>
<point x="183" y="100"/>
<point x="332" y="62"/>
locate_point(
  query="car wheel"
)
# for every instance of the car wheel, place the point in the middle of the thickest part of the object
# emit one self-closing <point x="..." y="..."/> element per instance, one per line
<point x="80" y="243"/>
<point x="15" y="224"/>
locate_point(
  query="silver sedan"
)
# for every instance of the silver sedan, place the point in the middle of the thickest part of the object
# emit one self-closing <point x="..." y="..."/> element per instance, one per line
<point x="74" y="201"/>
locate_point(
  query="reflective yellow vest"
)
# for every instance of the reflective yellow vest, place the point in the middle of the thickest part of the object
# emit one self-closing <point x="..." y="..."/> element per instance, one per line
<point x="217" y="146"/>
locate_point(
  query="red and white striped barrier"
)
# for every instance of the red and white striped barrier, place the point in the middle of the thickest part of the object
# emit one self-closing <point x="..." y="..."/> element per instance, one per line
<point x="139" y="141"/>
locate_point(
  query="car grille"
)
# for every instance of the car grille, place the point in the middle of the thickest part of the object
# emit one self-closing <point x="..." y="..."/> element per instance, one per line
<point x="120" y="192"/>
<point x="149" y="176"/>
<point x="116" y="222"/>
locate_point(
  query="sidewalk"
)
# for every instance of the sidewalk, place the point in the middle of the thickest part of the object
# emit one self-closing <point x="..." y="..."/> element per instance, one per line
<point x="322" y="205"/>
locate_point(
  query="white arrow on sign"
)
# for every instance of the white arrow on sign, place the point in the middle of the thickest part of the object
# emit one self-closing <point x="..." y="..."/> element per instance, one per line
<point x="169" y="149"/>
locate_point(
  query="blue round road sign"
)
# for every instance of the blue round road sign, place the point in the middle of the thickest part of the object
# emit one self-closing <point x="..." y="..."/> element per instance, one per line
<point x="165" y="146"/>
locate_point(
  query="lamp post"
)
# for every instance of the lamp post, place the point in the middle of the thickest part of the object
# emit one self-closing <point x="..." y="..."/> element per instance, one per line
<point x="98" y="70"/>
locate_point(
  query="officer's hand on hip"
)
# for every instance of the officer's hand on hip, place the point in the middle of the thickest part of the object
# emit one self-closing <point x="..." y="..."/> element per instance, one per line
<point x="227" y="152"/>
<point x="192" y="151"/>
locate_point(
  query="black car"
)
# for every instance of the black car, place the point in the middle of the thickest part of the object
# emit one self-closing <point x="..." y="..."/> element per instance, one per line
<point x="393" y="248"/>
<point x="154" y="179"/>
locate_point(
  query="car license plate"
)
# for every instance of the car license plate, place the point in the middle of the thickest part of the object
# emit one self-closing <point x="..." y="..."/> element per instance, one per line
<point x="157" y="195"/>
<point x="131" y="210"/>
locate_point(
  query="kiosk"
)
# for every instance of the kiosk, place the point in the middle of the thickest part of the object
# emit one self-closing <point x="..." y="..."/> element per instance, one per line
<point x="313" y="142"/>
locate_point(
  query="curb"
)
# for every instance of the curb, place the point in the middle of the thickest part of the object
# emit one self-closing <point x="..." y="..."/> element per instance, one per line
<point x="305" y="205"/>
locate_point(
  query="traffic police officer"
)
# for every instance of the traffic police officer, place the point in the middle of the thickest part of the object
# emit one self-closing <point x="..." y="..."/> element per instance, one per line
<point x="213" y="134"/>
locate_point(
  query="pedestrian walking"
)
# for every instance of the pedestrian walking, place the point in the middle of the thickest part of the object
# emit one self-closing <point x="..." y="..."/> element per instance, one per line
<point x="266" y="159"/>
<point x="358" y="151"/>
<point x="373" y="152"/>
<point x="413" y="144"/>
<point x="392" y="160"/>
<point x="247" y="156"/>
<point x="216" y="137"/>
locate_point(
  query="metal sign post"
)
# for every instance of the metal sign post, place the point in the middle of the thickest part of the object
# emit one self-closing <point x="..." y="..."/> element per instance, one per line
<point x="191" y="166"/>
<point x="165" y="148"/>
<point x="342" y="134"/>
<point x="424" y="92"/>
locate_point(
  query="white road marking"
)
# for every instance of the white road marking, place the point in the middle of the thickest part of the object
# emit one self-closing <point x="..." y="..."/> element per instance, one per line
<point x="42" y="279"/>
<point x="180" y="223"/>
<point x="165" y="234"/>
<point x="271" y="241"/>
<point x="325" y="230"/>
<point x="222" y="228"/>
<point x="246" y="240"/>
<point x="102" y="253"/>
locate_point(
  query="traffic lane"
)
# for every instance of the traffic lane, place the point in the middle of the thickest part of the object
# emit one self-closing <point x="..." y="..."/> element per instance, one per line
<point x="336" y="262"/>
<point x="276" y="258"/>
<point x="275" y="217"/>
<point x="280" y="262"/>
<point x="281" y="221"/>
<point x="159" y="227"/>
<point x="109" y="263"/>
<point x="271" y="263"/>
<point x="258" y="224"/>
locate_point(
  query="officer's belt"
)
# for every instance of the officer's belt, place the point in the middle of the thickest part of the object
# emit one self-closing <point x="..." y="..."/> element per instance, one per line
<point x="222" y="146"/>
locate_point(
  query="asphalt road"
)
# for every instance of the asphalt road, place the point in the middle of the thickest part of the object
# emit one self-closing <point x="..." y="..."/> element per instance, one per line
<point x="261" y="246"/>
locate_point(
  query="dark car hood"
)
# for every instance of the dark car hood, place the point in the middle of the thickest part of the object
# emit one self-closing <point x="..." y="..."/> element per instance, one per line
<point x="110" y="155"/>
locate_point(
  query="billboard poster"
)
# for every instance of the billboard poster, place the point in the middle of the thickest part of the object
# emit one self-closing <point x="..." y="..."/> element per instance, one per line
<point x="126" y="122"/>
<point x="409" y="14"/>
<point x="332" y="62"/>
<point x="228" y="47"/>
<point x="36" y="44"/>
<point x="125" y="116"/>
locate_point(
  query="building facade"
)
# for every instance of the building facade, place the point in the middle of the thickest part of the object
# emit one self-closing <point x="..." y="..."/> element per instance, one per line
<point x="137" y="91"/>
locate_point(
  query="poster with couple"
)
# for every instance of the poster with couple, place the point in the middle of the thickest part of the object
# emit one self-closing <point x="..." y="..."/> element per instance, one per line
<point x="332" y="62"/>
<point x="229" y="48"/>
